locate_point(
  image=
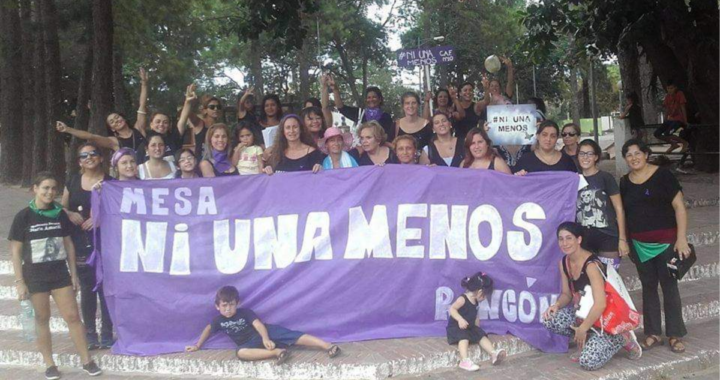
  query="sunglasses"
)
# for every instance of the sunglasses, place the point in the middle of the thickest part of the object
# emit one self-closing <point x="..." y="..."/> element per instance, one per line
<point x="214" y="107"/>
<point x="86" y="155"/>
<point x="569" y="134"/>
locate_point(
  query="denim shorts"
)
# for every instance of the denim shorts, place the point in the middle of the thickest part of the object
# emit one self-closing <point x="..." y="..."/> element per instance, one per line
<point x="282" y="337"/>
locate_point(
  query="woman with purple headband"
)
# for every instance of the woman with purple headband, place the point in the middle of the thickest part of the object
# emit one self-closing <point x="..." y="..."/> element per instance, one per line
<point x="293" y="149"/>
<point x="125" y="165"/>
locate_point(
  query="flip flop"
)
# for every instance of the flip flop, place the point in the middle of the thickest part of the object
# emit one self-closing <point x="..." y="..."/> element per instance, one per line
<point x="651" y="341"/>
<point x="333" y="351"/>
<point x="676" y="345"/>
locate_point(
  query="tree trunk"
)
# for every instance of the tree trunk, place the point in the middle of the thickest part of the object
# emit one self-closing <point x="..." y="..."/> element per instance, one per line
<point x="28" y="92"/>
<point x="585" y="111"/>
<point x="574" y="102"/>
<point x="649" y="90"/>
<point x="102" y="83"/>
<point x="348" y="68"/>
<point x="82" y="112"/>
<point x="40" y="105"/>
<point x="53" y="67"/>
<point x="11" y="110"/>
<point x="305" y="55"/>
<point x="256" y="74"/>
<point x="629" y="70"/>
<point x="122" y="102"/>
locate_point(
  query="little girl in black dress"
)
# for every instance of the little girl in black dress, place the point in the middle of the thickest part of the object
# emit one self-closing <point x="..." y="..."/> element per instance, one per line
<point x="462" y="328"/>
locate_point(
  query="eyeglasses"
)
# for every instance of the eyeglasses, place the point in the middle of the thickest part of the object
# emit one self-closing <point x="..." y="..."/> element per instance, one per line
<point x="214" y="107"/>
<point x="86" y="155"/>
<point x="569" y="134"/>
<point x="187" y="159"/>
<point x="586" y="154"/>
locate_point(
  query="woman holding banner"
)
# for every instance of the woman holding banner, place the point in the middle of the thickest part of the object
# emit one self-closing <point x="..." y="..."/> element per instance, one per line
<point x="578" y="269"/>
<point x="444" y="149"/>
<point x="545" y="158"/>
<point x="373" y="149"/>
<point x="406" y="149"/>
<point x="657" y="225"/>
<point x="293" y="149"/>
<point x="372" y="112"/>
<point x="217" y="160"/>
<point x="412" y="124"/>
<point x="479" y="153"/>
<point x="76" y="203"/>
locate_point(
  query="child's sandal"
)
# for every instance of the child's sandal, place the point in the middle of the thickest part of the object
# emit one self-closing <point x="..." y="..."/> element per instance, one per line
<point x="333" y="351"/>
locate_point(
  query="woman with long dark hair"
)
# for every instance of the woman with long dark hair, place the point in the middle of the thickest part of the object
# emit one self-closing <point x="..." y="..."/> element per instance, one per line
<point x="294" y="149"/>
<point x="479" y="153"/>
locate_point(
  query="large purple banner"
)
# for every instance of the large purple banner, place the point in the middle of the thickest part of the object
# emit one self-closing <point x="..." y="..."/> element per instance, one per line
<point x="347" y="255"/>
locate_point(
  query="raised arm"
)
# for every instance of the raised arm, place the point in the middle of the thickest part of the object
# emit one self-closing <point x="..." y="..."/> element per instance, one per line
<point x="426" y="106"/>
<point x="336" y="92"/>
<point x="325" y="101"/>
<point x="141" y="121"/>
<point x="481" y="104"/>
<point x="241" y="112"/>
<point x="102" y="141"/>
<point x="510" y="85"/>
<point x="187" y="108"/>
<point x="459" y="110"/>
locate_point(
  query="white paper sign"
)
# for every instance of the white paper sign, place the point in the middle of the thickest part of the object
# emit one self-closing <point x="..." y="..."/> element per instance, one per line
<point x="512" y="124"/>
<point x="269" y="135"/>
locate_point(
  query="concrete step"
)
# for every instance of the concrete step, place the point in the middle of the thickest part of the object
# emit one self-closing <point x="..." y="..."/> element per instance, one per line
<point x="76" y="373"/>
<point x="366" y="360"/>
<point x="701" y="357"/>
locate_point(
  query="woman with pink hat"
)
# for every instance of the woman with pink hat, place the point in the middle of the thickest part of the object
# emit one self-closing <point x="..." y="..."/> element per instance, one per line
<point x="335" y="144"/>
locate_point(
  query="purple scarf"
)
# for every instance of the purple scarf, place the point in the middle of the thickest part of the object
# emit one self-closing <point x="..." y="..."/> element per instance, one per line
<point x="373" y="114"/>
<point x="221" y="161"/>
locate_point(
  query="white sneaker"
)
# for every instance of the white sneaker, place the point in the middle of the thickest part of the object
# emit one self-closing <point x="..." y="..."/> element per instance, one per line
<point x="497" y="357"/>
<point x="468" y="365"/>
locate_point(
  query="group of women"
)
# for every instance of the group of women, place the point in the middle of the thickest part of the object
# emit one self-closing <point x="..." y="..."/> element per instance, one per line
<point x="645" y="215"/>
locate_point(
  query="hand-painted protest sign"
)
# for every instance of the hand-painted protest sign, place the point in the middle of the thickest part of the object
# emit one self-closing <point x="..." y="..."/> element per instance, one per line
<point x="438" y="55"/>
<point x="512" y="124"/>
<point x="356" y="254"/>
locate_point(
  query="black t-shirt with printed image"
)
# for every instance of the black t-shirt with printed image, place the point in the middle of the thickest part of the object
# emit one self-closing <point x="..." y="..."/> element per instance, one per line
<point x="43" y="248"/>
<point x="239" y="327"/>
<point x="594" y="207"/>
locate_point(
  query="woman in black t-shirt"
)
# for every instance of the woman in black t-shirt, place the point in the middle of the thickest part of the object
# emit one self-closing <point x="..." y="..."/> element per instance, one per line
<point x="444" y="149"/>
<point x="545" y="158"/>
<point x="372" y="149"/>
<point x="293" y="149"/>
<point x="657" y="226"/>
<point x="76" y="203"/>
<point x="43" y="257"/>
<point x="373" y="109"/>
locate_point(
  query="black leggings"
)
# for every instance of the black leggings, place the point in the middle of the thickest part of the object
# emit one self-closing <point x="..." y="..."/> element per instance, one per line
<point x="88" y="303"/>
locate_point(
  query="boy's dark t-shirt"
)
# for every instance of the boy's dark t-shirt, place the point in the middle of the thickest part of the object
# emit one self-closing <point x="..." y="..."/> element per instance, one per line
<point x="239" y="327"/>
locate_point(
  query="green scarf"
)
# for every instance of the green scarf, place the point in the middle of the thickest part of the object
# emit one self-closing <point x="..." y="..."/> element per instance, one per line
<point x="647" y="251"/>
<point x="51" y="213"/>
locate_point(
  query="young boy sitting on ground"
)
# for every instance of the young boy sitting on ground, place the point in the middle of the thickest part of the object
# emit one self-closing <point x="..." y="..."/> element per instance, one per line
<point x="255" y="340"/>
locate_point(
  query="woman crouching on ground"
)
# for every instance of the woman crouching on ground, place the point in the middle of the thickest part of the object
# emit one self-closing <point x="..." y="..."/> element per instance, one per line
<point x="578" y="269"/>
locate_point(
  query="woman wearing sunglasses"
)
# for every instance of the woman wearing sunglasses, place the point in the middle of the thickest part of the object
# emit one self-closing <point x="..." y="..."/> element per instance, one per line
<point x="571" y="137"/>
<point x="76" y="203"/>
<point x="210" y="113"/>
